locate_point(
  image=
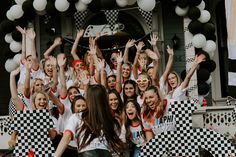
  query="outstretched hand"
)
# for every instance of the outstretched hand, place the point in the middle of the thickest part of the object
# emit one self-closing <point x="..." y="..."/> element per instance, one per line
<point x="153" y="40"/>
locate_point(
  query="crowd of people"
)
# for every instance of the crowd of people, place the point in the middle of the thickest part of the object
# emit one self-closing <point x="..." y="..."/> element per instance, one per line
<point x="106" y="108"/>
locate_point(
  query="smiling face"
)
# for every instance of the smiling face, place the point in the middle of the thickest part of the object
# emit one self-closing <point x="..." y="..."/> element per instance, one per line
<point x="126" y="70"/>
<point x="72" y="93"/>
<point x="48" y="68"/>
<point x="113" y="101"/>
<point x="114" y="56"/>
<point x="111" y="82"/>
<point x="129" y="90"/>
<point x="173" y="80"/>
<point x="40" y="101"/>
<point x="131" y="111"/>
<point x="151" y="99"/>
<point x="38" y="85"/>
<point x="80" y="105"/>
<point x="142" y="82"/>
<point x="79" y="66"/>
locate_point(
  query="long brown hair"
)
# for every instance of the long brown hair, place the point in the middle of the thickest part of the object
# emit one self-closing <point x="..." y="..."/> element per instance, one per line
<point x="147" y="112"/>
<point x="98" y="119"/>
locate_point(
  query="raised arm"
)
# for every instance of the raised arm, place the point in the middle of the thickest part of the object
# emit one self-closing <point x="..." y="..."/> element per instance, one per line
<point x="57" y="42"/>
<point x="169" y="64"/>
<point x="30" y="33"/>
<point x="63" y="144"/>
<point x="155" y="60"/>
<point x="53" y="61"/>
<point x="136" y="63"/>
<point x="14" y="95"/>
<point x="27" y="79"/>
<point x="128" y="45"/>
<point x="153" y="42"/>
<point x="61" y="61"/>
<point x="23" y="50"/>
<point x="119" y="73"/>
<point x="76" y="42"/>
<point x="198" y="59"/>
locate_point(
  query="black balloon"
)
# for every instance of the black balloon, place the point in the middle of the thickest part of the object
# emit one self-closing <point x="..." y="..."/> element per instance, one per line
<point x="21" y="22"/>
<point x="194" y="2"/>
<point x="50" y="8"/>
<point x="7" y="26"/>
<point x="194" y="13"/>
<point x="29" y="12"/>
<point x="195" y="27"/>
<point x="203" y="75"/>
<point x="209" y="29"/>
<point x="183" y="3"/>
<point x="16" y="35"/>
<point x="95" y="6"/>
<point x="211" y="37"/>
<point x="108" y="4"/>
<point x="209" y="65"/>
<point x="203" y="88"/>
<point x="72" y="1"/>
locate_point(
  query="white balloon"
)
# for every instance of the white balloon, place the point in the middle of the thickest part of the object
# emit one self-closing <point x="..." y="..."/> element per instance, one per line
<point x="86" y="1"/>
<point x="8" y="38"/>
<point x="209" y="80"/>
<point x="80" y="6"/>
<point x="39" y="5"/>
<point x="122" y="3"/>
<point x="9" y="15"/>
<point x="210" y="46"/>
<point x="17" y="58"/>
<point x="16" y="11"/>
<point x="146" y="5"/>
<point x="131" y="2"/>
<point x="15" y="46"/>
<point x="202" y="5"/>
<point x="62" y="5"/>
<point x="205" y="16"/>
<point x="181" y="11"/>
<point x="199" y="40"/>
<point x="10" y="65"/>
<point x="20" y="2"/>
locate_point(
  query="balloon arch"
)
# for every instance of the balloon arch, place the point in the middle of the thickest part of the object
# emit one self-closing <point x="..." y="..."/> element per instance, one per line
<point x="201" y="27"/>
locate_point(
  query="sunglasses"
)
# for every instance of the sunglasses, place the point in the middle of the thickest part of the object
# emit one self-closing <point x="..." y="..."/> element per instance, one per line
<point x="145" y="80"/>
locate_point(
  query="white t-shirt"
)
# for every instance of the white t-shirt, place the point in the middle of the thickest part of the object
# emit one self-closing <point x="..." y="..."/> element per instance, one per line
<point x="159" y="125"/>
<point x="137" y="136"/>
<point x="73" y="126"/>
<point x="179" y="94"/>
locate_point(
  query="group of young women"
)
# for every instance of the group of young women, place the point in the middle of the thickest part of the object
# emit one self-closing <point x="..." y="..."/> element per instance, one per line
<point x="105" y="109"/>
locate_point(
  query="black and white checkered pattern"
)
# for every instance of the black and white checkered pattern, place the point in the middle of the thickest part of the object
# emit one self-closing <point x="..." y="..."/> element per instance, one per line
<point x="33" y="133"/>
<point x="229" y="103"/>
<point x="12" y="107"/>
<point x="147" y="15"/>
<point x="111" y="16"/>
<point x="79" y="17"/>
<point x="5" y="123"/>
<point x="186" y="140"/>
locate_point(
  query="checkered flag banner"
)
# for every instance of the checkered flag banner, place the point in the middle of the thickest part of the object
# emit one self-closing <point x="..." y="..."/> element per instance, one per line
<point x="79" y="17"/>
<point x="147" y="15"/>
<point x="32" y="127"/>
<point x="111" y="16"/>
<point x="186" y="140"/>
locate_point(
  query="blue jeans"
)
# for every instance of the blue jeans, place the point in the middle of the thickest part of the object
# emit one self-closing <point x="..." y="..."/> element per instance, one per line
<point x="137" y="151"/>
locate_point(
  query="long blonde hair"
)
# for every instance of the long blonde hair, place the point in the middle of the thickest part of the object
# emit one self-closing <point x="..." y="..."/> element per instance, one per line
<point x="34" y="97"/>
<point x="167" y="83"/>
